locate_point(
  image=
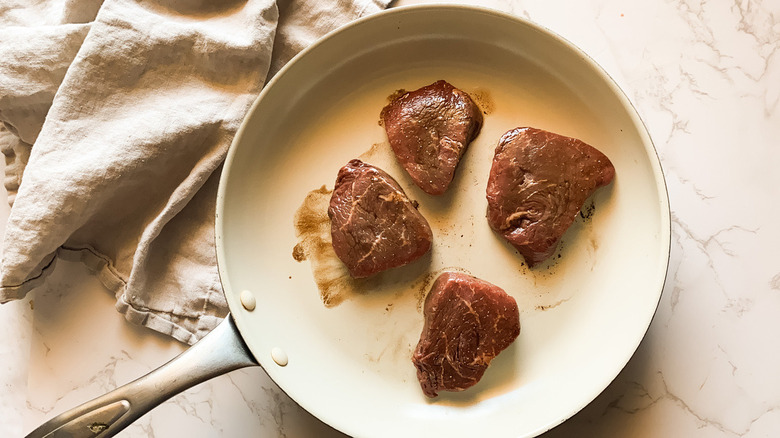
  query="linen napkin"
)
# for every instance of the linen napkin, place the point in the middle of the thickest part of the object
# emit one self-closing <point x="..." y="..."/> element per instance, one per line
<point x="117" y="116"/>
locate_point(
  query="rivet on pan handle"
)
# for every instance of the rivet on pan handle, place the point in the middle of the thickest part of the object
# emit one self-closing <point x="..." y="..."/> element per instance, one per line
<point x="219" y="352"/>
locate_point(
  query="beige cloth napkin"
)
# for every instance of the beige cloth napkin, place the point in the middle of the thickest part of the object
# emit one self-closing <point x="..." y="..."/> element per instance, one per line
<point x="117" y="116"/>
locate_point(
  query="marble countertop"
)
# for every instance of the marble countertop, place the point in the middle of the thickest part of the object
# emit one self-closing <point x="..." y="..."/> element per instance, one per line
<point x="705" y="77"/>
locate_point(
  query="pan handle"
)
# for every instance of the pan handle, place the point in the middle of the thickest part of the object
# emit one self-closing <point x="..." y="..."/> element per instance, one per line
<point x="219" y="352"/>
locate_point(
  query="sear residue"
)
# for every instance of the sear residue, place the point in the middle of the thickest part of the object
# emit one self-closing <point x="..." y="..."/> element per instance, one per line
<point x="396" y="94"/>
<point x="299" y="254"/>
<point x="312" y="228"/>
<point x="586" y="213"/>
<point x="483" y="99"/>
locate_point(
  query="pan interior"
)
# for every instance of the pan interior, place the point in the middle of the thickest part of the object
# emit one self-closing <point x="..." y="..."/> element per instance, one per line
<point x="582" y="315"/>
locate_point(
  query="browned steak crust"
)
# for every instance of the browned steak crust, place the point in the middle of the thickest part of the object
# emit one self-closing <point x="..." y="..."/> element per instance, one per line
<point x="374" y="225"/>
<point x="429" y="130"/>
<point x="468" y="321"/>
<point x="538" y="183"/>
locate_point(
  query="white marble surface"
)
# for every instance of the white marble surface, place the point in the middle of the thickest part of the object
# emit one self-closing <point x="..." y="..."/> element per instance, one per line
<point x="705" y="76"/>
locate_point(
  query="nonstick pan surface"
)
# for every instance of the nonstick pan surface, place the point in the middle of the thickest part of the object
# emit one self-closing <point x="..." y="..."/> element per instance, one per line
<point x="348" y="344"/>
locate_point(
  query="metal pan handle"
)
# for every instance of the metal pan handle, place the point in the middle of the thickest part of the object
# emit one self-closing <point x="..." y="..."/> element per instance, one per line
<point x="219" y="352"/>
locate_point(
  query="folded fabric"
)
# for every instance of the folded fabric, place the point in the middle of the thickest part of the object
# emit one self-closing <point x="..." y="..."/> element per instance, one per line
<point x="130" y="107"/>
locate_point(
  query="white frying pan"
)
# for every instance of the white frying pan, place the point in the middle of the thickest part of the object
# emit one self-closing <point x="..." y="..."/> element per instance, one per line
<point x="349" y="362"/>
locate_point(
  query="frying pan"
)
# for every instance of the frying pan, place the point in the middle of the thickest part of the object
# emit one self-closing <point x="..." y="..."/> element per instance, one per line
<point x="341" y="348"/>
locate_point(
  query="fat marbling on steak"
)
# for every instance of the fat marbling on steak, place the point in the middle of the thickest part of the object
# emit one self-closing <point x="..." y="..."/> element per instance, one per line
<point x="429" y="130"/>
<point x="538" y="183"/>
<point x="374" y="225"/>
<point x="468" y="321"/>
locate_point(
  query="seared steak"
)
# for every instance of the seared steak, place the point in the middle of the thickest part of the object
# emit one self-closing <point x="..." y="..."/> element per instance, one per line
<point x="537" y="186"/>
<point x="429" y="130"/>
<point x="373" y="224"/>
<point x="468" y="321"/>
